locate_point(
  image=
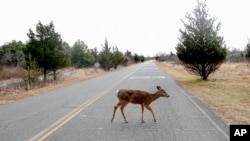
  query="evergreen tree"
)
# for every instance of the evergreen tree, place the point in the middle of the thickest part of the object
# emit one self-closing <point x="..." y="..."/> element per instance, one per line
<point x="95" y="54"/>
<point x="136" y="58"/>
<point x="128" y="57"/>
<point x="80" y="55"/>
<point x="118" y="57"/>
<point x="142" y="58"/>
<point x="67" y="47"/>
<point x="46" y="48"/>
<point x="200" y="49"/>
<point x="247" y="55"/>
<point x="31" y="70"/>
<point x="105" y="57"/>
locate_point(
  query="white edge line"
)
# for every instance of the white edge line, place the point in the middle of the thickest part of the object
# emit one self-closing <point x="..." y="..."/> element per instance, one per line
<point x="212" y="121"/>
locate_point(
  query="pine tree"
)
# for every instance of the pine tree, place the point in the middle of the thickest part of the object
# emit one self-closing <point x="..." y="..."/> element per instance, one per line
<point x="247" y="55"/>
<point x="46" y="48"/>
<point x="117" y="57"/>
<point x="200" y="49"/>
<point x="31" y="70"/>
<point x="80" y="55"/>
<point x="105" y="57"/>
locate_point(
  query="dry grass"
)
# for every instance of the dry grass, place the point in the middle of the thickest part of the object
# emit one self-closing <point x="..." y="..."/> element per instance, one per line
<point x="8" y="95"/>
<point x="227" y="91"/>
<point x="9" y="72"/>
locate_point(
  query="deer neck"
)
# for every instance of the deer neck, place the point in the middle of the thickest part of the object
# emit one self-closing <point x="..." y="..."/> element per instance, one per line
<point x="155" y="96"/>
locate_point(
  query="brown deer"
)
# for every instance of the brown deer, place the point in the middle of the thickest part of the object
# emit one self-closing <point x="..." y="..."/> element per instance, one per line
<point x="137" y="97"/>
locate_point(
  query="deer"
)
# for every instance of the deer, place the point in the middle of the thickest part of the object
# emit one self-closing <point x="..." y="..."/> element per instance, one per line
<point x="143" y="98"/>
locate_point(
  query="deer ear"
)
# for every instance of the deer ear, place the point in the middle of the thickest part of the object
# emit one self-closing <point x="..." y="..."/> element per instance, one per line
<point x="158" y="87"/>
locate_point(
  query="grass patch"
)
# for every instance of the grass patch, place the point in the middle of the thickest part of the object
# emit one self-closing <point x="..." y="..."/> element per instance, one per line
<point x="7" y="73"/>
<point x="227" y="91"/>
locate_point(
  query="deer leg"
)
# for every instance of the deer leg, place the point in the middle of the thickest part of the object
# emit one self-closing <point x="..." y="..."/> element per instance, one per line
<point x="115" y="108"/>
<point x="142" y="110"/>
<point x="122" y="110"/>
<point x="151" y="110"/>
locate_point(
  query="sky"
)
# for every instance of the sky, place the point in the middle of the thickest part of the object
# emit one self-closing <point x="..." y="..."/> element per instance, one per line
<point x="145" y="27"/>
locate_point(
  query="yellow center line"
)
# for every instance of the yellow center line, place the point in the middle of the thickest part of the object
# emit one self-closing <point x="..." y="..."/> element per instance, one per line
<point x="65" y="119"/>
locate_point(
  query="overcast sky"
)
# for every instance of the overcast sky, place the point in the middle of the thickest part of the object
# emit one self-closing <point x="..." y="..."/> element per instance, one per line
<point x="142" y="26"/>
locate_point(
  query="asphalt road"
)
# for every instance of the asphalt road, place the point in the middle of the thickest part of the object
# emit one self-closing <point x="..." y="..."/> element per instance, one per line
<point x="83" y="112"/>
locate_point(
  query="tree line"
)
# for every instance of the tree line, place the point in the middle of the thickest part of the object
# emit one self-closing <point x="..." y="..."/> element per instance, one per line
<point x="46" y="52"/>
<point x="201" y="50"/>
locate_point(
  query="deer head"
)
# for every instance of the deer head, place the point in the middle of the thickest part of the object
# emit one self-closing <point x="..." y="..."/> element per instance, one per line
<point x="162" y="92"/>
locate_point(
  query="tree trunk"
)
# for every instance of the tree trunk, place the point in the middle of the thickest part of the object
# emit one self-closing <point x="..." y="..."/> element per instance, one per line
<point x="54" y="74"/>
<point x="44" y="75"/>
<point x="204" y="74"/>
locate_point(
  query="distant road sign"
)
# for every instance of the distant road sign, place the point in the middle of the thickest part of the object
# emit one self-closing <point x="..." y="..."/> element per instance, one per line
<point x="97" y="65"/>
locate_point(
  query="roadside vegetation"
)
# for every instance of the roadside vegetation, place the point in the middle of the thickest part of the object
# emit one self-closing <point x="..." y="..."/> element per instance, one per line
<point x="42" y="60"/>
<point x="200" y="49"/>
<point x="207" y="68"/>
<point x="45" y="50"/>
<point x="69" y="76"/>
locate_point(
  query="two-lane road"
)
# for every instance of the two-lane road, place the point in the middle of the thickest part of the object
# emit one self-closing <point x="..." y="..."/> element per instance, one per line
<point x="83" y="112"/>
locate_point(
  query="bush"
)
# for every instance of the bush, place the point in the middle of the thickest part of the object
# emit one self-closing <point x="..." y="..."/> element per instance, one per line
<point x="30" y="71"/>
